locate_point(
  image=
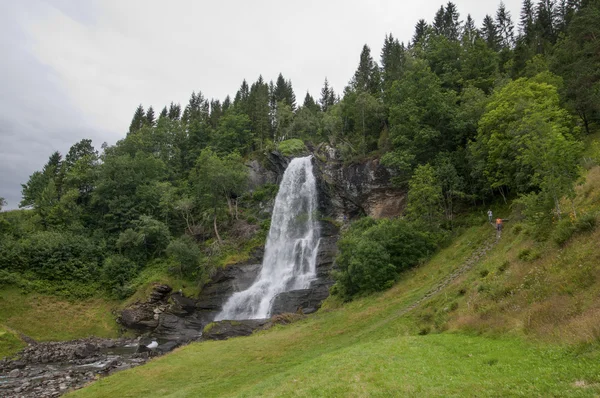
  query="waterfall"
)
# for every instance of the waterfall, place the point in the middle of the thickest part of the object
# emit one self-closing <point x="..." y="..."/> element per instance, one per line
<point x="291" y="248"/>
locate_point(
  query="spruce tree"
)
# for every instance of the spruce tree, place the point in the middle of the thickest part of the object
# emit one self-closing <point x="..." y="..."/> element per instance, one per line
<point x="150" y="118"/>
<point x="164" y="113"/>
<point x="309" y="103"/>
<point x="527" y="21"/>
<point x="451" y="22"/>
<point x="226" y="104"/>
<point x="216" y="111"/>
<point x="174" y="111"/>
<point x="469" y="33"/>
<point x="392" y="60"/>
<point x="290" y="97"/>
<point x="489" y="33"/>
<point x="325" y="96"/>
<point x="420" y="32"/>
<point x="505" y="27"/>
<point x="138" y="119"/>
<point x="367" y="77"/>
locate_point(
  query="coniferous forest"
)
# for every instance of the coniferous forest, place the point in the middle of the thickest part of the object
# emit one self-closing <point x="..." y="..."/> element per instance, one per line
<point x="464" y="113"/>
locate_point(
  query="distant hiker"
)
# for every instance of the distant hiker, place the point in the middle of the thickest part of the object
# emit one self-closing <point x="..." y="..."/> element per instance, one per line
<point x="490" y="216"/>
<point x="499" y="225"/>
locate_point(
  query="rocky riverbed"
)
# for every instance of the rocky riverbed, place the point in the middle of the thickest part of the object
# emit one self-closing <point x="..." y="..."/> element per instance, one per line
<point x="51" y="369"/>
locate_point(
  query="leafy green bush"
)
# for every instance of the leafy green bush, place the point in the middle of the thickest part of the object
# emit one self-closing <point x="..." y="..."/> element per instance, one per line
<point x="185" y="254"/>
<point x="148" y="239"/>
<point x="53" y="256"/>
<point x="585" y="223"/>
<point x="566" y="228"/>
<point x="291" y="147"/>
<point x="374" y="253"/>
<point x="117" y="271"/>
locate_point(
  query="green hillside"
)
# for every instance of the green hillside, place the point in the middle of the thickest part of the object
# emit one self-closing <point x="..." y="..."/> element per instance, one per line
<point x="512" y="324"/>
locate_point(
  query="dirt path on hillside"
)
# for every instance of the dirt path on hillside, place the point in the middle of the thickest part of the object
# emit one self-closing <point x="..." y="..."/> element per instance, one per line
<point x="467" y="265"/>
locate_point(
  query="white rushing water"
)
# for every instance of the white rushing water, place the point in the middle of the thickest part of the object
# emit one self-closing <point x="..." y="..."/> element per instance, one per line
<point x="291" y="248"/>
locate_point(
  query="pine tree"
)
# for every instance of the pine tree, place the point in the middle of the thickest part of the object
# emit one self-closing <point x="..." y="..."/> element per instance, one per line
<point x="138" y="119"/>
<point x="438" y="22"/>
<point x="290" y="97"/>
<point x="367" y="77"/>
<point x="216" y="111"/>
<point x="150" y="118"/>
<point x="392" y="60"/>
<point x="446" y="22"/>
<point x="451" y="22"/>
<point x="309" y="103"/>
<point x="174" y="111"/>
<point x="226" y="104"/>
<point x="163" y="113"/>
<point x="420" y="32"/>
<point x="469" y="33"/>
<point x="545" y="24"/>
<point x="280" y="89"/>
<point x="325" y="94"/>
<point x="505" y="27"/>
<point x="259" y="111"/>
<point x="241" y="97"/>
<point x="489" y="33"/>
<point x="527" y="20"/>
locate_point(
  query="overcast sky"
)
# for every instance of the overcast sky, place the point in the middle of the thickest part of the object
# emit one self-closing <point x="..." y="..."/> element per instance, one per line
<point x="74" y="69"/>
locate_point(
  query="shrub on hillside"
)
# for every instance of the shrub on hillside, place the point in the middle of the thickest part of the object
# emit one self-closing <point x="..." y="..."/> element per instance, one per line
<point x="53" y="256"/>
<point x="117" y="271"/>
<point x="374" y="253"/>
<point x="566" y="227"/>
<point x="184" y="254"/>
<point x="291" y="147"/>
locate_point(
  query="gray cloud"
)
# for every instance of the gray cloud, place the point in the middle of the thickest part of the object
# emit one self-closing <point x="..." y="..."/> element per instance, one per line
<point x="74" y="70"/>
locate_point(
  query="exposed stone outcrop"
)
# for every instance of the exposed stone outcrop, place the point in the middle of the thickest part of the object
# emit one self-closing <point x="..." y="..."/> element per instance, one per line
<point x="223" y="330"/>
<point x="362" y="188"/>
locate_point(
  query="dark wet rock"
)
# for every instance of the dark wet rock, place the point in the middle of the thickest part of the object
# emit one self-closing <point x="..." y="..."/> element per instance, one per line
<point x="223" y="330"/>
<point x="168" y="346"/>
<point x="139" y="316"/>
<point x="183" y="304"/>
<point x="305" y="301"/>
<point x="223" y="284"/>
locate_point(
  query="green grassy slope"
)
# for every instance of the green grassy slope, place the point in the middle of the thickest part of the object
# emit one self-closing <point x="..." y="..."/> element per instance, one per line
<point x="366" y="348"/>
<point x="45" y="318"/>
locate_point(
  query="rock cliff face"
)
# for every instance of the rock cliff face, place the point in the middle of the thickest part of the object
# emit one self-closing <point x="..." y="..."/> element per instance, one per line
<point x="344" y="192"/>
<point x="356" y="189"/>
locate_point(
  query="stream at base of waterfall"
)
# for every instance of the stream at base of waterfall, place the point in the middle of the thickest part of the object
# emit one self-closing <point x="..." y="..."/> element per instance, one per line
<point x="291" y="247"/>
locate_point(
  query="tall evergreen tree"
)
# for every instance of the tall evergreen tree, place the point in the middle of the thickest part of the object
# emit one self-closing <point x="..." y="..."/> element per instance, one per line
<point x="451" y="22"/>
<point x="174" y="111"/>
<point x="138" y="120"/>
<point x="226" y="104"/>
<point x="259" y="111"/>
<point x="392" y="60"/>
<point x="367" y="77"/>
<point x="545" y="25"/>
<point x="325" y="100"/>
<point x="469" y="32"/>
<point x="527" y="21"/>
<point x="420" y="32"/>
<point x="309" y="103"/>
<point x="216" y="111"/>
<point x="505" y="27"/>
<point x="164" y="113"/>
<point x="150" y="118"/>
<point x="489" y="33"/>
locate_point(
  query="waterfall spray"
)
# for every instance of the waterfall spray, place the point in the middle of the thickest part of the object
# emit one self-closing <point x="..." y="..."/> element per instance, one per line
<point x="291" y="248"/>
